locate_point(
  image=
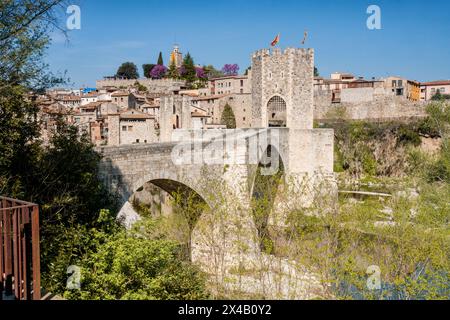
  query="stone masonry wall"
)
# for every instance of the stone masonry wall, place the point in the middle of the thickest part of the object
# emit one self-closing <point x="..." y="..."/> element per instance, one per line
<point x="113" y="130"/>
<point x="380" y="108"/>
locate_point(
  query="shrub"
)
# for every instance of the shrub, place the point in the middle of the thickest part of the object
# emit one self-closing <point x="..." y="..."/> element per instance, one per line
<point x="131" y="266"/>
<point x="406" y="135"/>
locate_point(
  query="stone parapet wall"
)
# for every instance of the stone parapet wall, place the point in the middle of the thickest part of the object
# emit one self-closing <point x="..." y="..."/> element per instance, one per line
<point x="165" y="86"/>
<point x="382" y="107"/>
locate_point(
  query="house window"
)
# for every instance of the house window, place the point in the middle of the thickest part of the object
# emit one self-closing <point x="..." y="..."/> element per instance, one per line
<point x="137" y="140"/>
<point x="130" y="128"/>
<point x="442" y="90"/>
<point x="243" y="119"/>
<point x="124" y="128"/>
<point x="242" y="83"/>
<point x="121" y="99"/>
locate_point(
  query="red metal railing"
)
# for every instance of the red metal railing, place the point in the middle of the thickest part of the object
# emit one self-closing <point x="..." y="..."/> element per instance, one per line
<point x="20" y="276"/>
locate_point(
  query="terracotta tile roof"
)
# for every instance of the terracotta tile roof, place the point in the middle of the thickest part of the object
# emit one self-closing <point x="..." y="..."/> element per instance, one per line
<point x="120" y="94"/>
<point x="149" y="106"/>
<point x="199" y="115"/>
<point x="229" y="77"/>
<point x="210" y="97"/>
<point x="70" y="98"/>
<point x="437" y="83"/>
<point x="135" y="115"/>
<point x="90" y="95"/>
<point x="92" y="105"/>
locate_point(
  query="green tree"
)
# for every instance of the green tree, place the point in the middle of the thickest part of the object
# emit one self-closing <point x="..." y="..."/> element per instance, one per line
<point x="19" y="146"/>
<point x="189" y="74"/>
<point x="71" y="195"/>
<point x="173" y="71"/>
<point x="147" y="68"/>
<point x="440" y="97"/>
<point x="316" y="72"/>
<point x="128" y="70"/>
<point x="140" y="87"/>
<point x="24" y="35"/>
<point x="160" y="59"/>
<point x="437" y="96"/>
<point x="228" y="117"/>
<point x="438" y="121"/>
<point x="212" y="72"/>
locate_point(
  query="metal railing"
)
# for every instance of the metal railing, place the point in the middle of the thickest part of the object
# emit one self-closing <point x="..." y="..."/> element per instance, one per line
<point x="19" y="250"/>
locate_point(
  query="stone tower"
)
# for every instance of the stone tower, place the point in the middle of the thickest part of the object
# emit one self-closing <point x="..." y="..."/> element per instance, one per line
<point x="176" y="57"/>
<point x="282" y="88"/>
<point x="175" y="113"/>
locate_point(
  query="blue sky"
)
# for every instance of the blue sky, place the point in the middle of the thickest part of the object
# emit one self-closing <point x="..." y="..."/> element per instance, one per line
<point x="414" y="40"/>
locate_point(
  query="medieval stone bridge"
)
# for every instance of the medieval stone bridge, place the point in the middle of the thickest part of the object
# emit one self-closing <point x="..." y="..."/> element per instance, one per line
<point x="230" y="163"/>
<point x="214" y="163"/>
<point x="229" y="157"/>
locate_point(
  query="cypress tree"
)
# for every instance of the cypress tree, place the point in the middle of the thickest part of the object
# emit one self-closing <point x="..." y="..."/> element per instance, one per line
<point x="160" y="59"/>
<point x="189" y="73"/>
<point x="228" y="117"/>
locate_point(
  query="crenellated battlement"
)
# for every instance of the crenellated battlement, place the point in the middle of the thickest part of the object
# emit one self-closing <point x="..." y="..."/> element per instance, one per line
<point x="278" y="52"/>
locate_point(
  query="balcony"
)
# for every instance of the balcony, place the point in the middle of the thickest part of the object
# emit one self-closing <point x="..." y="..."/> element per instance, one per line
<point x="19" y="250"/>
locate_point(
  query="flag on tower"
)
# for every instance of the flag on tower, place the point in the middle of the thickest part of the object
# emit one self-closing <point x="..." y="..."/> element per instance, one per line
<point x="305" y="36"/>
<point x="275" y="41"/>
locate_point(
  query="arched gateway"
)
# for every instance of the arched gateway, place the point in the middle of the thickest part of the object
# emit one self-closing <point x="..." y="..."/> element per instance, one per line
<point x="276" y="112"/>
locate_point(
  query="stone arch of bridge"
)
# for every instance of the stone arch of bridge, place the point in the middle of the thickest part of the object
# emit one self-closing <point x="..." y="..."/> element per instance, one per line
<point x="188" y="199"/>
<point x="171" y="181"/>
<point x="264" y="192"/>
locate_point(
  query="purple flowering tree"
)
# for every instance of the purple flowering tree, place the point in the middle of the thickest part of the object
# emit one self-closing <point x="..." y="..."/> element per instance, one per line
<point x="182" y="71"/>
<point x="230" y="69"/>
<point x="200" y="73"/>
<point x="158" y="71"/>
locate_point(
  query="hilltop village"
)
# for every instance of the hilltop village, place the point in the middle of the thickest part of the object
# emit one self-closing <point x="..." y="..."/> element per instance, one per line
<point x="124" y="109"/>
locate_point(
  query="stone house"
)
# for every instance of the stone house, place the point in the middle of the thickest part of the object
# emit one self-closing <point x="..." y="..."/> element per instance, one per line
<point x="429" y="89"/>
<point x="122" y="99"/>
<point x="238" y="84"/>
<point x="131" y="127"/>
<point x="89" y="98"/>
<point x="241" y="104"/>
<point x="402" y="87"/>
<point x="69" y="101"/>
<point x="92" y="119"/>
